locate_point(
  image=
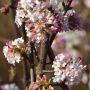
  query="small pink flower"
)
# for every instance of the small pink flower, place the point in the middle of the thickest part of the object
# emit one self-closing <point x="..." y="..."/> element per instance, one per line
<point x="34" y="86"/>
<point x="43" y="79"/>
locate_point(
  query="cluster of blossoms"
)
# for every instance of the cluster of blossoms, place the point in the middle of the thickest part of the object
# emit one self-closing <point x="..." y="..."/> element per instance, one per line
<point x="41" y="16"/>
<point x="68" y="68"/>
<point x="14" y="49"/>
<point x="42" y="83"/>
<point x="33" y="11"/>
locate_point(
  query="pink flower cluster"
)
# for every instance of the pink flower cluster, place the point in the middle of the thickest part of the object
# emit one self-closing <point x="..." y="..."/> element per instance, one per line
<point x="41" y="83"/>
<point x="39" y="19"/>
<point x="14" y="49"/>
<point x="68" y="68"/>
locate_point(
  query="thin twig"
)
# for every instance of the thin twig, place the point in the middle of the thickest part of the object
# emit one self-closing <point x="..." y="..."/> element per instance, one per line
<point x="27" y="74"/>
<point x="46" y="52"/>
<point x="68" y="7"/>
<point x="32" y="70"/>
<point x="50" y="53"/>
<point x="52" y="38"/>
<point x="36" y="54"/>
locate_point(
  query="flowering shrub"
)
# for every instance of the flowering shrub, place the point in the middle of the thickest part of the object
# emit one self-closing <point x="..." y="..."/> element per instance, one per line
<point x="41" y="21"/>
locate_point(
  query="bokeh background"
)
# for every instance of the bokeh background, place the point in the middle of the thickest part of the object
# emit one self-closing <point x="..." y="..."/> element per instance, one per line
<point x="76" y="42"/>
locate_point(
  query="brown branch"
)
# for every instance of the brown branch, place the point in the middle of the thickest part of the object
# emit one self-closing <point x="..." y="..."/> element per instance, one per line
<point x="32" y="69"/>
<point x="40" y="64"/>
<point x="46" y="52"/>
<point x="36" y="54"/>
<point x="27" y="74"/>
<point x="50" y="53"/>
<point x="52" y="38"/>
<point x="67" y="7"/>
<point x="24" y="32"/>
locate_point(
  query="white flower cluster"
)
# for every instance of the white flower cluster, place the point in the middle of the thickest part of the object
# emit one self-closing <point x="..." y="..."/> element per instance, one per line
<point x="18" y="42"/>
<point x="29" y="10"/>
<point x="39" y="19"/>
<point x="35" y="34"/>
<point x="67" y="68"/>
<point x="33" y="11"/>
<point x="12" y="51"/>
